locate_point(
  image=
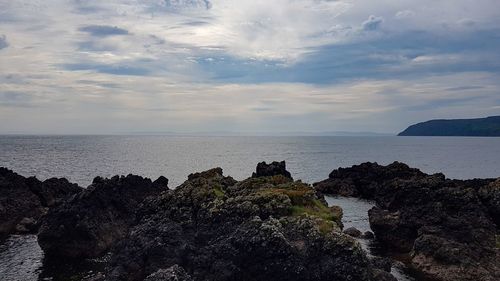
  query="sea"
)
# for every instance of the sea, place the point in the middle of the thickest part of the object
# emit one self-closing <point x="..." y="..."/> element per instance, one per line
<point x="311" y="159"/>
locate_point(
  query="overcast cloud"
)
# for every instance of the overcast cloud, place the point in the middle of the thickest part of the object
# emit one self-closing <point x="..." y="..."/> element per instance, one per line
<point x="246" y="66"/>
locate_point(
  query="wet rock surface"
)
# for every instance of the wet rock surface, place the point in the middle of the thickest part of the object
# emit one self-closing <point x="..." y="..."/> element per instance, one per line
<point x="24" y="201"/>
<point x="89" y="223"/>
<point x="447" y="227"/>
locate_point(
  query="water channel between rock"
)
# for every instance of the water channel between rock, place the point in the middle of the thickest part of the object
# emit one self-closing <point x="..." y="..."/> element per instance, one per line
<point x="21" y="257"/>
<point x="355" y="214"/>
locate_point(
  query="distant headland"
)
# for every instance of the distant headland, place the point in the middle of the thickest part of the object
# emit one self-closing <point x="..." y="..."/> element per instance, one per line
<point x="478" y="127"/>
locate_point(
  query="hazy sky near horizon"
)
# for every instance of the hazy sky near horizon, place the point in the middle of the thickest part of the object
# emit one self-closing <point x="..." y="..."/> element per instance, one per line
<point x="74" y="66"/>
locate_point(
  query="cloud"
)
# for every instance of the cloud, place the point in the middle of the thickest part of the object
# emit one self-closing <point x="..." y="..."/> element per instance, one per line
<point x="161" y="103"/>
<point x="186" y="65"/>
<point x="103" y="30"/>
<point x="405" y="14"/>
<point x="15" y="99"/>
<point x="99" y="45"/>
<point x="466" y="22"/>
<point x="372" y="23"/>
<point x="445" y="103"/>
<point x="108" y="69"/>
<point x="3" y="42"/>
<point x="179" y="4"/>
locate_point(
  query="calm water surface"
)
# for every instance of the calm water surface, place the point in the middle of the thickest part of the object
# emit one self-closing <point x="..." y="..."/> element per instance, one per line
<point x="356" y="215"/>
<point x="81" y="158"/>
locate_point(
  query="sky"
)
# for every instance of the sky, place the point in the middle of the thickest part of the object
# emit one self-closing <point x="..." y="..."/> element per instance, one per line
<point x="281" y="66"/>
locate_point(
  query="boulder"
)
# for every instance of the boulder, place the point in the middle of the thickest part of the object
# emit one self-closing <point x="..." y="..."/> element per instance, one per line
<point x="368" y="235"/>
<point x="92" y="221"/>
<point x="352" y="231"/>
<point x="272" y="169"/>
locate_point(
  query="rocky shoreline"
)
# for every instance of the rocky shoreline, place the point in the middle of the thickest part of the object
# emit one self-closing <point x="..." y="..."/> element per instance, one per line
<point x="24" y="201"/>
<point x="266" y="227"/>
<point x="447" y="228"/>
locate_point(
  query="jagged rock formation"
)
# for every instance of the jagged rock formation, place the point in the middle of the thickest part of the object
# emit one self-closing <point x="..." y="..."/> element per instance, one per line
<point x="273" y="169"/>
<point x="262" y="228"/>
<point x="23" y="201"/>
<point x="447" y="227"/>
<point x="88" y="224"/>
<point x="211" y="227"/>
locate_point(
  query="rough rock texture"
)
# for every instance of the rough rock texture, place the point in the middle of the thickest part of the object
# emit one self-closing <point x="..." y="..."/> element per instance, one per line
<point x="23" y="201"/>
<point x="382" y="268"/>
<point x="273" y="169"/>
<point x="382" y="263"/>
<point x="365" y="180"/>
<point x="173" y="273"/>
<point x="490" y="196"/>
<point x="368" y="235"/>
<point x="381" y="275"/>
<point x="352" y="231"/>
<point x="261" y="228"/>
<point x="88" y="224"/>
<point x="448" y="227"/>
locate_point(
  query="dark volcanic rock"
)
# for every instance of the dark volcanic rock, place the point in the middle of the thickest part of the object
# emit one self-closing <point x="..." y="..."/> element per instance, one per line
<point x="161" y="181"/>
<point x="364" y="180"/>
<point x="23" y="201"/>
<point x="368" y="235"/>
<point x="173" y="273"/>
<point x="264" y="228"/>
<point x="273" y="169"/>
<point x="448" y="227"/>
<point x="381" y="275"/>
<point x="490" y="196"/>
<point x="53" y="191"/>
<point x="352" y="231"/>
<point x="389" y="230"/>
<point x="88" y="224"/>
<point x="382" y="263"/>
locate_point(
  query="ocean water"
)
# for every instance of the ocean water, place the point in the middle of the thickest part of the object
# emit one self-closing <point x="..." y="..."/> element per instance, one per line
<point x="81" y="158"/>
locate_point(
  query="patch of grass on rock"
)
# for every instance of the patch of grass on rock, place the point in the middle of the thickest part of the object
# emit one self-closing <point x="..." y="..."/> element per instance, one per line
<point x="218" y="191"/>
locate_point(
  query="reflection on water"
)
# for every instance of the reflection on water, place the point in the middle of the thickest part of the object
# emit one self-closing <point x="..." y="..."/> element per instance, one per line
<point x="311" y="159"/>
<point x="356" y="215"/>
<point x="20" y="258"/>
